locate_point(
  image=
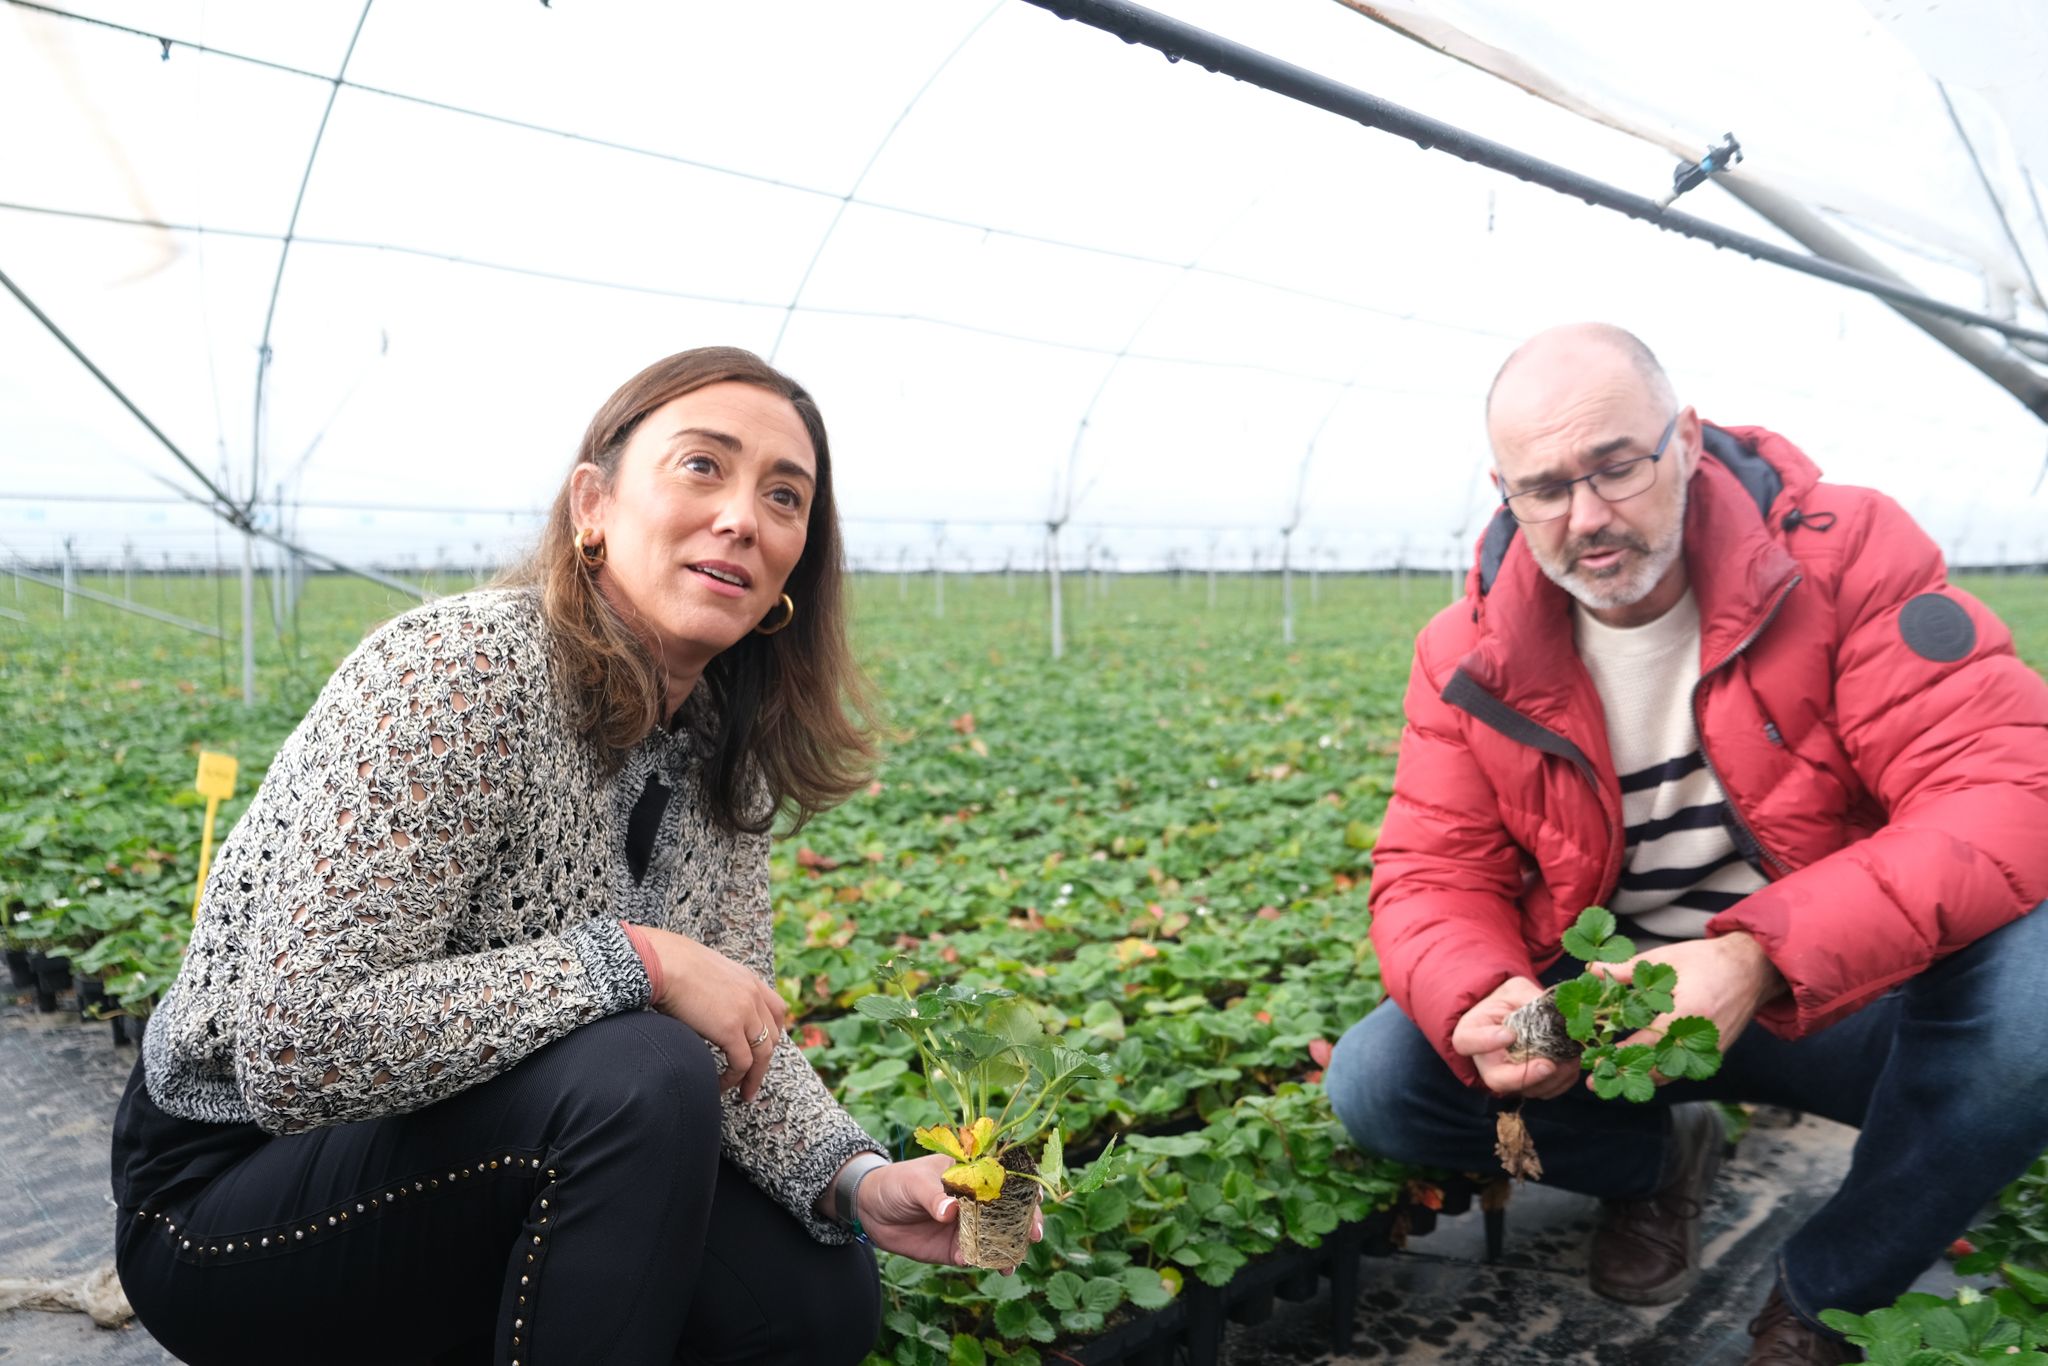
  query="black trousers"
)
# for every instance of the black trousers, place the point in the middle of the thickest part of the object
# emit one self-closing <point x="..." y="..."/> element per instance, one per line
<point x="575" y="1209"/>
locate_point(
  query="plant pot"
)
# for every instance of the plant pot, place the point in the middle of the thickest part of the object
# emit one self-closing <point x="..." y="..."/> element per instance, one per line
<point x="53" y="975"/>
<point x="17" y="968"/>
<point x="92" y="997"/>
<point x="996" y="1236"/>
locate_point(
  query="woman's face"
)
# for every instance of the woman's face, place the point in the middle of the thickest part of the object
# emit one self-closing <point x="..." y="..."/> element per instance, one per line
<point x="704" y="520"/>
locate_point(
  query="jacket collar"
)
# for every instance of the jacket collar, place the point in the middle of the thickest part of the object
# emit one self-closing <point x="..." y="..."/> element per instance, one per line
<point x="1747" y="482"/>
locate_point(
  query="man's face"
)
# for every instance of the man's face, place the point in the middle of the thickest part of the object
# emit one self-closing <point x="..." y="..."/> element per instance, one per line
<point x="1614" y="557"/>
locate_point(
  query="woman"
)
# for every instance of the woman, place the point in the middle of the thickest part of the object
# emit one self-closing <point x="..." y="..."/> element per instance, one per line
<point x="405" y="1102"/>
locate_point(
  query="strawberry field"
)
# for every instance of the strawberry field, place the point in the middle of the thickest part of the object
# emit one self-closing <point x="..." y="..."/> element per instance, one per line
<point x="1161" y="844"/>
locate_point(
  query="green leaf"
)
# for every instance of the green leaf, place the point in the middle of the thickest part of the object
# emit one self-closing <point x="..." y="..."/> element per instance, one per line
<point x="1020" y="1319"/>
<point x="1101" y="1294"/>
<point x="1592" y="939"/>
<point x="1577" y="1000"/>
<point x="1063" y="1290"/>
<point x="1220" y="1261"/>
<point x="875" y="1075"/>
<point x="1637" y="1013"/>
<point x="887" y="1008"/>
<point x="1102" y="1018"/>
<point x="2032" y="1284"/>
<point x="1846" y="1323"/>
<point x="1083" y="1321"/>
<point x="1108" y="1209"/>
<point x="966" y="1351"/>
<point x="1943" y="1330"/>
<point x="1052" y="1162"/>
<point x="1147" y="1288"/>
<point x="1690" y="1048"/>
<point x="1655" y="982"/>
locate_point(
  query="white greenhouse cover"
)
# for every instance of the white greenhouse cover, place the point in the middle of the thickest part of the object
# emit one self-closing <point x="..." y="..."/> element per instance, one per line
<point x="968" y="227"/>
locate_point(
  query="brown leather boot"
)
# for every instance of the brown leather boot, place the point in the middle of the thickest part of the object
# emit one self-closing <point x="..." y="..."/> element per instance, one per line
<point x="1782" y="1338"/>
<point x="1647" y="1251"/>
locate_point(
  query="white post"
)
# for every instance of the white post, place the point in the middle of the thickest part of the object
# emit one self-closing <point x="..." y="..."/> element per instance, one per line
<point x="277" y="608"/>
<point x="938" y="574"/>
<point x="69" y="578"/>
<point x="1287" y="586"/>
<point x="1052" y="571"/>
<point x="1009" y="574"/>
<point x="248" y="619"/>
<point x="128" y="569"/>
<point x="1315" y="588"/>
<point x="902" y="573"/>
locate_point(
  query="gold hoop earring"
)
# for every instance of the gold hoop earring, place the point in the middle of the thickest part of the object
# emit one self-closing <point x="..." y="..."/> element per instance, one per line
<point x="788" y="615"/>
<point x="590" y="550"/>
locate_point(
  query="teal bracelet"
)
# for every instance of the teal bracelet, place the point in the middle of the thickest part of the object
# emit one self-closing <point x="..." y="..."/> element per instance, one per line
<point x="853" y="1201"/>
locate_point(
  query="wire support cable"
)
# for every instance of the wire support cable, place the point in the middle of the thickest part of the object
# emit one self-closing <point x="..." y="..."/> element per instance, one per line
<point x="284" y="255"/>
<point x="1177" y="41"/>
<point x="675" y="159"/>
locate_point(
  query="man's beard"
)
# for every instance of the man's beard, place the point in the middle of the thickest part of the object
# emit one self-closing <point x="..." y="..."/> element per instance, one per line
<point x="1629" y="582"/>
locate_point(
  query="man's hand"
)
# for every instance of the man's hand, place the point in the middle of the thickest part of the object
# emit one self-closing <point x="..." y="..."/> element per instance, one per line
<point x="1482" y="1037"/>
<point x="1724" y="979"/>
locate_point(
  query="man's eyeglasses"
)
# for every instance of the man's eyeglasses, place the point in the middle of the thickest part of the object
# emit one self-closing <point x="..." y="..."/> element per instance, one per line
<point x="1614" y="483"/>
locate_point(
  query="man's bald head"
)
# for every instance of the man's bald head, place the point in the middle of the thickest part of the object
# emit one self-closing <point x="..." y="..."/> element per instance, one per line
<point x="1586" y="403"/>
<point x="1553" y="363"/>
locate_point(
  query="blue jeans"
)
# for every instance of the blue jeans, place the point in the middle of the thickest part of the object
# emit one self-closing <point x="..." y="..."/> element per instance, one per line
<point x="1946" y="1077"/>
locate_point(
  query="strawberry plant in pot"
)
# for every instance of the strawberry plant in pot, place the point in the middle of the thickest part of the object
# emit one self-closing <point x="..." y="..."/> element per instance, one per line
<point x="1587" y="1018"/>
<point x="987" y="1060"/>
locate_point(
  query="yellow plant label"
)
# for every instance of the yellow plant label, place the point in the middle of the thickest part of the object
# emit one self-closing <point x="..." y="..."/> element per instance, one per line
<point x="216" y="775"/>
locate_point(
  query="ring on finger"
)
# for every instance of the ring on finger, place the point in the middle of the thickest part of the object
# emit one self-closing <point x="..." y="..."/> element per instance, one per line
<point x="762" y="1037"/>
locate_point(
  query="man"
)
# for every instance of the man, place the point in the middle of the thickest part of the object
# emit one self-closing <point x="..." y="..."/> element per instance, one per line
<point x="1743" y="709"/>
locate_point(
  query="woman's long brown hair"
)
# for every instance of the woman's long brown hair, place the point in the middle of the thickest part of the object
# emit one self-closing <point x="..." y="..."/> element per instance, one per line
<point x="790" y="709"/>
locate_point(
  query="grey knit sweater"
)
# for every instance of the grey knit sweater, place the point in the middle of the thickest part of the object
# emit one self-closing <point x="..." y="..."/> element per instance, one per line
<point x="427" y="887"/>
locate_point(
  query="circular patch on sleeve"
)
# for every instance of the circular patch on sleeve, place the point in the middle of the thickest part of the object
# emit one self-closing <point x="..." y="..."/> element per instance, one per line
<point x="1937" y="628"/>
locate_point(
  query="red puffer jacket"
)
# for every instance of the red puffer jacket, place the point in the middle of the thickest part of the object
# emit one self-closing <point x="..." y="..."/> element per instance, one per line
<point x="1883" y="749"/>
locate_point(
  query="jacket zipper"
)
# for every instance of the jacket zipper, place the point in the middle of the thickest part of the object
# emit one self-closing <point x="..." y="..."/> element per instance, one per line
<point x="1701" y="731"/>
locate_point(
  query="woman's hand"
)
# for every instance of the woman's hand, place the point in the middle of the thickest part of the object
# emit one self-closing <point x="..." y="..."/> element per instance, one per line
<point x="904" y="1209"/>
<point x="722" y="1001"/>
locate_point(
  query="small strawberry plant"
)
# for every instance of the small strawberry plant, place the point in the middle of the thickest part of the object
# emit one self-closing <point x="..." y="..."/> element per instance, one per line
<point x="988" y="1060"/>
<point x="1586" y="1018"/>
<point x="1599" y="1012"/>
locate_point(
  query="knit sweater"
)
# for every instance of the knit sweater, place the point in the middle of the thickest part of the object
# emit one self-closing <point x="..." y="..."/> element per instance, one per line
<point x="428" y="886"/>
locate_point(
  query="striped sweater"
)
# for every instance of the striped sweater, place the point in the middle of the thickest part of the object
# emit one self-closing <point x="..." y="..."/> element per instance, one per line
<point x="1681" y="868"/>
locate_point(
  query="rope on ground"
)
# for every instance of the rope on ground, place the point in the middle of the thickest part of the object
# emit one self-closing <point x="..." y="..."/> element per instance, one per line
<point x="97" y="1292"/>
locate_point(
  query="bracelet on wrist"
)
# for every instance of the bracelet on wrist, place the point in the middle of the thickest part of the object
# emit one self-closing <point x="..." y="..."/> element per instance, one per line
<point x="847" y="1189"/>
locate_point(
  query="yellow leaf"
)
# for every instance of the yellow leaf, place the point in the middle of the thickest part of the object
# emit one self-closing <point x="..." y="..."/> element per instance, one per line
<point x="978" y="1138"/>
<point x="941" y="1138"/>
<point x="980" y="1180"/>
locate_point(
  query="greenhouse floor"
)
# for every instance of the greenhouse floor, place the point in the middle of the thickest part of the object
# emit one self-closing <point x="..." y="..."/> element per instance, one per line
<point x="1436" y="1302"/>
